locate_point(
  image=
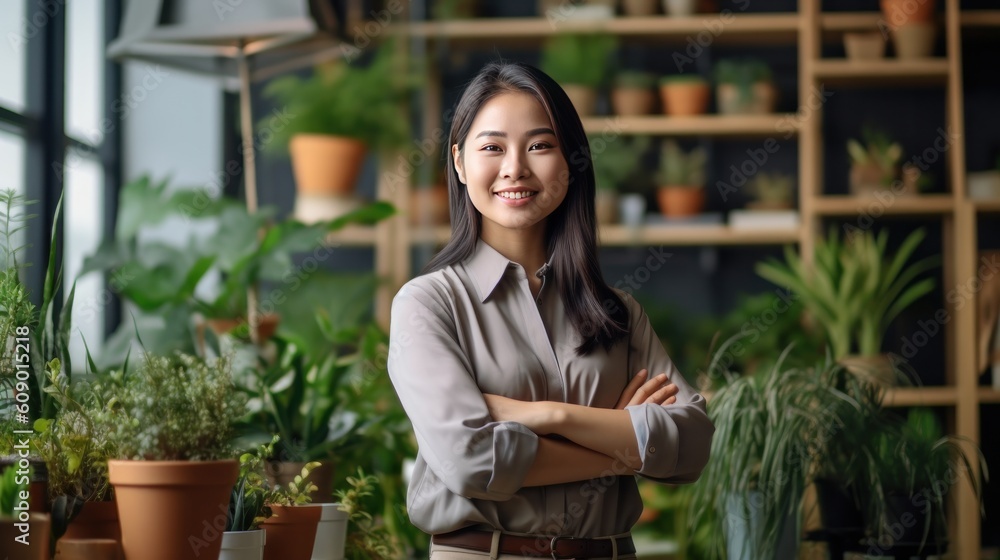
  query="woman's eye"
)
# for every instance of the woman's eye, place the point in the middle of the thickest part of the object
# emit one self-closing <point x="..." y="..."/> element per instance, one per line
<point x="487" y="147"/>
<point x="541" y="145"/>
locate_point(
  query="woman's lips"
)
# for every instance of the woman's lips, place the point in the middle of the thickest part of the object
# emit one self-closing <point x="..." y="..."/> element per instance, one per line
<point x="515" y="202"/>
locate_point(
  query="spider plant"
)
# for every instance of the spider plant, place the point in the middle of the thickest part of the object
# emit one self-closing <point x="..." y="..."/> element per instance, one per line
<point x="854" y="288"/>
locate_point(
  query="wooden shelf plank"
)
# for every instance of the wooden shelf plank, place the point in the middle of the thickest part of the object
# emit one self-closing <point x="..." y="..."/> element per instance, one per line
<point x="620" y="236"/>
<point x="783" y="27"/>
<point x="352" y="236"/>
<point x="990" y="206"/>
<point x="701" y="125"/>
<point x="895" y="206"/>
<point x="980" y="18"/>
<point x="887" y="71"/>
<point x="989" y="395"/>
<point x="920" y="396"/>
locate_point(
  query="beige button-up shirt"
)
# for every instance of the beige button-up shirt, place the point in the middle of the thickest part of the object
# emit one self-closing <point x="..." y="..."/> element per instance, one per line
<point x="474" y="328"/>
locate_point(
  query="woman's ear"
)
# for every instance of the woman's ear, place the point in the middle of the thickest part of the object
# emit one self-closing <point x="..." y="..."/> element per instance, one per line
<point x="456" y="156"/>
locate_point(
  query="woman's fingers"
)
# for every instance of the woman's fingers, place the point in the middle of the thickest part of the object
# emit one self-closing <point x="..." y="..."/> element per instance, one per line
<point x="631" y="388"/>
<point x="648" y="389"/>
<point x="664" y="395"/>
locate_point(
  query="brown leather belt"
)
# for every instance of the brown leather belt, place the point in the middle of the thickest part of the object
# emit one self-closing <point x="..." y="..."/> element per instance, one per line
<point x="539" y="547"/>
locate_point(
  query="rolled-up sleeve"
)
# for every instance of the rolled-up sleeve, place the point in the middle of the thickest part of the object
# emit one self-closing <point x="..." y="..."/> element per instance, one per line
<point x="674" y="440"/>
<point x="474" y="456"/>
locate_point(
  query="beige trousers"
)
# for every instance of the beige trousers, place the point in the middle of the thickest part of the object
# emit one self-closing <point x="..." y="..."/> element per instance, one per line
<point x="440" y="552"/>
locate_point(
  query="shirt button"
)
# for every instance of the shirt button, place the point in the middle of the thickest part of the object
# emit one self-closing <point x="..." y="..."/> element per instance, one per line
<point x="652" y="449"/>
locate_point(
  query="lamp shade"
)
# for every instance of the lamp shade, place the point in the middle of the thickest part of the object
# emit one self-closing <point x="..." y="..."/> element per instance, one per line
<point x="207" y="37"/>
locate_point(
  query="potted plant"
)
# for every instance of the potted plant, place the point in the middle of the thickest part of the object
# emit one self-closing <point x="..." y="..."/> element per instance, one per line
<point x="632" y="94"/>
<point x="172" y="422"/>
<point x="639" y="8"/>
<point x="684" y="95"/>
<point x="615" y="162"/>
<point x="854" y="290"/>
<point x="679" y="8"/>
<point x="341" y="112"/>
<point x="911" y="25"/>
<point x="580" y="64"/>
<point x="864" y="45"/>
<point x="915" y="469"/>
<point x="874" y="164"/>
<point x="681" y="179"/>
<point x="744" y="87"/>
<point x="290" y="528"/>
<point x="243" y="538"/>
<point x="370" y="538"/>
<point x="18" y="543"/>
<point x="771" y="191"/>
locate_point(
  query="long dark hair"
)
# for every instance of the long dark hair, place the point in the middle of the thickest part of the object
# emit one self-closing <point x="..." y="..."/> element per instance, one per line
<point x="571" y="229"/>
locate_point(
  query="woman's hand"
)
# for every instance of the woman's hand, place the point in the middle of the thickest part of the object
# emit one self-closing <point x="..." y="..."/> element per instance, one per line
<point x="539" y="417"/>
<point x="657" y="390"/>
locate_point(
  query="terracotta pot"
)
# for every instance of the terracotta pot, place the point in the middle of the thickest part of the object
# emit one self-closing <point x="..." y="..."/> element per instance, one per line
<point x="901" y="12"/>
<point x="684" y="98"/>
<point x="584" y="98"/>
<point x="629" y="102"/>
<point x="606" y="206"/>
<point x="876" y="369"/>
<point x="283" y="472"/>
<point x="864" y="46"/>
<point x="291" y="532"/>
<point x="96" y="521"/>
<point x="639" y="8"/>
<point x="324" y="164"/>
<point x="759" y="100"/>
<point x="88" y="549"/>
<point x="867" y="179"/>
<point x="266" y="328"/>
<point x="331" y="533"/>
<point x="679" y="7"/>
<point x="39" y="532"/>
<point x="677" y="201"/>
<point x="429" y="207"/>
<point x="172" y="510"/>
<point x="243" y="545"/>
<point x="914" y="40"/>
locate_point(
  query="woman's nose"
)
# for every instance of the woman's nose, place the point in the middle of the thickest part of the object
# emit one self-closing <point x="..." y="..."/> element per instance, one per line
<point x="514" y="167"/>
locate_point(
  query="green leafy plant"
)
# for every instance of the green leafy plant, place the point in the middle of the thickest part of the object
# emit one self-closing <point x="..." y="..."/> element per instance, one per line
<point x="682" y="169"/>
<point x="368" y="538"/>
<point x="878" y="152"/>
<point x="742" y="73"/>
<point x="248" y="502"/>
<point x="11" y="487"/>
<point x="772" y="188"/>
<point x="578" y="59"/>
<point x="298" y="492"/>
<point x="342" y="99"/>
<point x="619" y="161"/>
<point x="854" y="289"/>
<point x="179" y="409"/>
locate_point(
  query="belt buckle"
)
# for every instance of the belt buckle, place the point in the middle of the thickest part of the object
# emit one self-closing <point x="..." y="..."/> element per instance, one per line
<point x="552" y="545"/>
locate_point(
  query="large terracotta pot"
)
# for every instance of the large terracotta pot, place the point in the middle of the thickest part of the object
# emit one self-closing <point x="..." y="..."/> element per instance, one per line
<point x="677" y="201"/>
<point x="266" y="327"/>
<point x="584" y="98"/>
<point x="39" y="531"/>
<point x="759" y="100"/>
<point x="283" y="472"/>
<point x="88" y="549"/>
<point x="632" y="101"/>
<point x="291" y="532"/>
<point x="96" y="520"/>
<point x="172" y="510"/>
<point x="683" y="98"/>
<point x="324" y="164"/>
<point x="902" y="12"/>
<point x="331" y="533"/>
<point x="243" y="545"/>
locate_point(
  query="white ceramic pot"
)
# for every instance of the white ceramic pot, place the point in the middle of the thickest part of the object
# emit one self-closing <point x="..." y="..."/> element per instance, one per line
<point x="679" y="7"/>
<point x="914" y="40"/>
<point x="331" y="533"/>
<point x="632" y="209"/>
<point x="242" y="545"/>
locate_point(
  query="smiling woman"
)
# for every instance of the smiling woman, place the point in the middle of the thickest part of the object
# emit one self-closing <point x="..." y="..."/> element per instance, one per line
<point x="536" y="391"/>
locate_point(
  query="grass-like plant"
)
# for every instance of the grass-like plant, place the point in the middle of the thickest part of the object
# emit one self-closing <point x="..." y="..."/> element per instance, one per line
<point x="854" y="288"/>
<point x="578" y="59"/>
<point x="682" y="169"/>
<point x="876" y="150"/>
<point x="12" y="485"/>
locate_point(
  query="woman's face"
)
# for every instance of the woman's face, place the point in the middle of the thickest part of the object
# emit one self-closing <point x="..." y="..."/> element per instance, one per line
<point x="512" y="164"/>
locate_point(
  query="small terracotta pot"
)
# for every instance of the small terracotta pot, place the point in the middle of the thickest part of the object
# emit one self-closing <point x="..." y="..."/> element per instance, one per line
<point x="88" y="549"/>
<point x="172" y="510"/>
<point x="39" y="532"/>
<point x="630" y="101"/>
<point x="325" y="164"/>
<point x="914" y="40"/>
<point x="291" y="532"/>
<point x="684" y="98"/>
<point x="901" y="12"/>
<point x="677" y="201"/>
<point x="584" y="98"/>
<point x="864" y="46"/>
<point x="639" y="8"/>
<point x="867" y="179"/>
<point x="97" y="521"/>
<point x="429" y="207"/>
<point x="760" y="100"/>
<point x="283" y="472"/>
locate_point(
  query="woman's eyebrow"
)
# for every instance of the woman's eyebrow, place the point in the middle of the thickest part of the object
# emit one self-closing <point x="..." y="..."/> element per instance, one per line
<point x="532" y="132"/>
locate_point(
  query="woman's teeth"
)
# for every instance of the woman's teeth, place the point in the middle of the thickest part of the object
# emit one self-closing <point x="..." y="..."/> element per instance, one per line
<point x="516" y="195"/>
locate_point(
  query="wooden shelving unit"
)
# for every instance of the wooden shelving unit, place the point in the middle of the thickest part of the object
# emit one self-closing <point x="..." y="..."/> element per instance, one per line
<point x="806" y="30"/>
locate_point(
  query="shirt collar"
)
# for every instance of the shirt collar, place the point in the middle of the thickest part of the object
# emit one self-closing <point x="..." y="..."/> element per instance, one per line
<point x="487" y="266"/>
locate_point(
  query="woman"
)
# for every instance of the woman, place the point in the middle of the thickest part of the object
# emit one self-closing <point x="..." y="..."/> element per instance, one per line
<point x="529" y="425"/>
